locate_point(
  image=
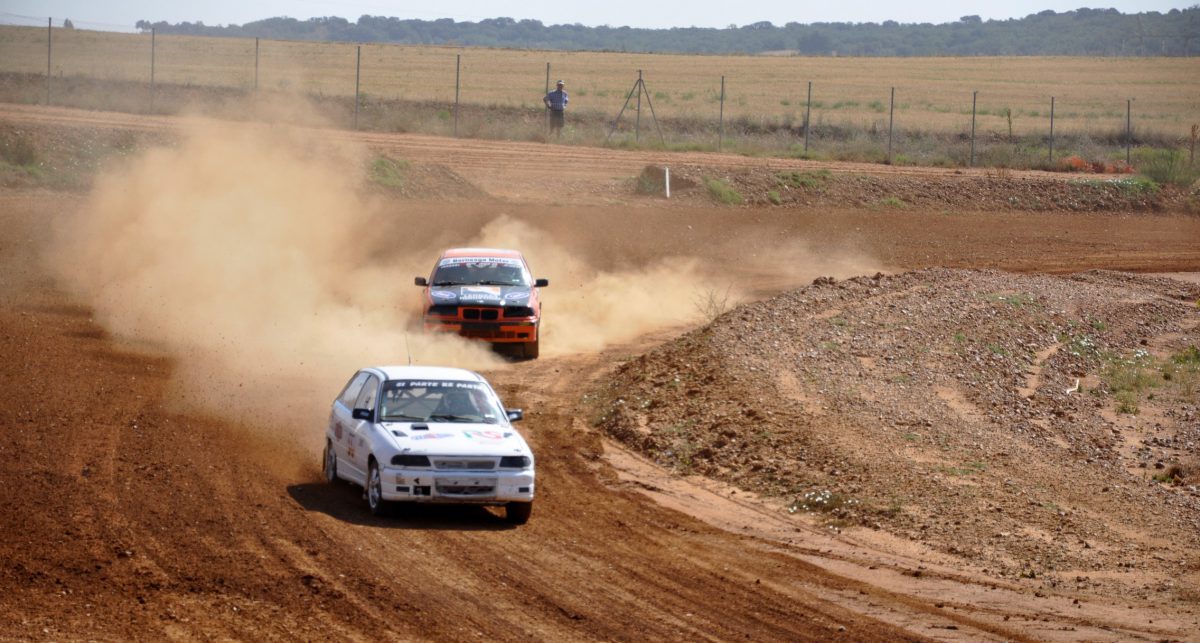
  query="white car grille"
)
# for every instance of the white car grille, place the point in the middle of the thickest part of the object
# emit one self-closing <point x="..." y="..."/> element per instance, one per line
<point x="463" y="464"/>
<point x="473" y="490"/>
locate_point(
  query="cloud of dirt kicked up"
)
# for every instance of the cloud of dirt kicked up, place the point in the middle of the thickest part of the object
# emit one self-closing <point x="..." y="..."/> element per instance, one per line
<point x="245" y="252"/>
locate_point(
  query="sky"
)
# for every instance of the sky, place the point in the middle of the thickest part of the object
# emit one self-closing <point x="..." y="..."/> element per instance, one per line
<point x="122" y="14"/>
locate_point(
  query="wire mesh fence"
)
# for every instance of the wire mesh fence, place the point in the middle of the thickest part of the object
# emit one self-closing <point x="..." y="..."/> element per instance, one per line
<point x="1011" y="112"/>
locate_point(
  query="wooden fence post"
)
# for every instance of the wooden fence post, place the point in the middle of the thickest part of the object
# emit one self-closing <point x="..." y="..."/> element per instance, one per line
<point x="721" y="118"/>
<point x="974" y="100"/>
<point x="457" y="78"/>
<point x="357" y="78"/>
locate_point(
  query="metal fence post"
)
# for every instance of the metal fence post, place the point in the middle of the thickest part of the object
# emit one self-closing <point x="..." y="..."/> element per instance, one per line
<point x="49" y="40"/>
<point x="457" y="77"/>
<point x="546" y="93"/>
<point x="637" y="123"/>
<point x="1128" y="128"/>
<point x="891" y="121"/>
<point x="974" y="98"/>
<point x="1051" y="130"/>
<point x="152" y="86"/>
<point x="807" y="117"/>
<point x="357" y="77"/>
<point x="721" y="118"/>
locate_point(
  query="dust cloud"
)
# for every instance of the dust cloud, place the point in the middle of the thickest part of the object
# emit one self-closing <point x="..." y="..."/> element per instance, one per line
<point x="586" y="309"/>
<point x="248" y="253"/>
<point x="252" y="254"/>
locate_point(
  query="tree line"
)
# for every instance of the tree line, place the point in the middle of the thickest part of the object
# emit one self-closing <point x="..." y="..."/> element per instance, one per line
<point x="1083" y="32"/>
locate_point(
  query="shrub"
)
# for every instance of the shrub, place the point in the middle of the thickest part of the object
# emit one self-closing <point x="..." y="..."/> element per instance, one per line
<point x="1187" y="356"/>
<point x="1127" y="402"/>
<point x="805" y="180"/>
<point x="19" y="150"/>
<point x="1168" y="167"/>
<point x="1136" y="185"/>
<point x="723" y="192"/>
<point x="712" y="303"/>
<point x="388" y="172"/>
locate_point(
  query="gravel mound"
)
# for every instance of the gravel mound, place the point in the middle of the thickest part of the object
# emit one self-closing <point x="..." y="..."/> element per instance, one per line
<point x="1039" y="426"/>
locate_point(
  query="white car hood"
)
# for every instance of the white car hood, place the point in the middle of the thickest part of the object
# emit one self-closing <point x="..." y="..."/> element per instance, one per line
<point x="457" y="438"/>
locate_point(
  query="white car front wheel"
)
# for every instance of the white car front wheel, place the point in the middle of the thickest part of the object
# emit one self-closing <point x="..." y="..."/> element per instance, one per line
<point x="375" y="501"/>
<point x="518" y="513"/>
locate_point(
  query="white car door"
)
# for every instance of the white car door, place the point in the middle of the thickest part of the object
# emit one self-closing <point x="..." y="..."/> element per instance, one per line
<point x="341" y="425"/>
<point x="360" y="431"/>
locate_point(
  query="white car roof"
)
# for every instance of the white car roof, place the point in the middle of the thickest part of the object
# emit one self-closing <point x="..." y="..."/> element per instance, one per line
<point x="429" y="373"/>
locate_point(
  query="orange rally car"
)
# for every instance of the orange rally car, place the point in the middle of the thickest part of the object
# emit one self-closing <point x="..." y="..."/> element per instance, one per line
<point x="484" y="293"/>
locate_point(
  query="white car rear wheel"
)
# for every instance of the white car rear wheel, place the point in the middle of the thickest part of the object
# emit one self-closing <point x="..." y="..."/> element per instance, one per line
<point x="329" y="463"/>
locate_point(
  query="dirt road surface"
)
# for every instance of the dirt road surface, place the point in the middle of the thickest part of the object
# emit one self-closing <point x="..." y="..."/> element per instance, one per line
<point x="127" y="510"/>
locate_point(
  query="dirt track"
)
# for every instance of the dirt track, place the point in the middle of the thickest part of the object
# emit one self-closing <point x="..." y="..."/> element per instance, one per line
<point x="124" y="515"/>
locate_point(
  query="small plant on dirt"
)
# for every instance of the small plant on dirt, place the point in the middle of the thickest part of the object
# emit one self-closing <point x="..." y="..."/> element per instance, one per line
<point x="1173" y="474"/>
<point x="388" y="172"/>
<point x="774" y="197"/>
<point x="1081" y="346"/>
<point x="652" y="180"/>
<point x="1182" y="370"/>
<point x="723" y="192"/>
<point x="712" y="303"/>
<point x="1129" y="377"/>
<point x="823" y="501"/>
<point x="1016" y="300"/>
<point x="803" y="180"/>
<point x="1189" y="356"/>
<point x="893" y="202"/>
<point x="18" y="150"/>
<point x="1127" y="402"/>
<point x="1136" y="185"/>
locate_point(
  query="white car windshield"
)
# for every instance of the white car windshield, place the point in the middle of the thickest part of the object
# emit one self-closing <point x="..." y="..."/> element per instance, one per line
<point x="488" y="271"/>
<point x="439" y="401"/>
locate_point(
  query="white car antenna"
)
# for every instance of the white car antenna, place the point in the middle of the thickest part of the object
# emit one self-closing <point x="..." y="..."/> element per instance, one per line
<point x="407" y="349"/>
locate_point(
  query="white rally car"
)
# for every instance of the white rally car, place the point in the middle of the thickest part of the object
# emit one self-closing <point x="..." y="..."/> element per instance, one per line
<point x="428" y="434"/>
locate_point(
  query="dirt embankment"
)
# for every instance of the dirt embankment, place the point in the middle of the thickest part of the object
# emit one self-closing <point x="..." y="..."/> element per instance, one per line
<point x="997" y="190"/>
<point x="1040" y="428"/>
<point x="64" y="149"/>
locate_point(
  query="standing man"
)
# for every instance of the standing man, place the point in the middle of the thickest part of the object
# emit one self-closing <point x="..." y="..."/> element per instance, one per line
<point x="556" y="102"/>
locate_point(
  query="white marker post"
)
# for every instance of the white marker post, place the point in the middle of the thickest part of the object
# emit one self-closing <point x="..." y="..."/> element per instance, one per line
<point x="667" y="180"/>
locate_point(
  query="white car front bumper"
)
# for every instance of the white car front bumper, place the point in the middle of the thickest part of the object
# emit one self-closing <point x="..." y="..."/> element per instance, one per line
<point x="465" y="487"/>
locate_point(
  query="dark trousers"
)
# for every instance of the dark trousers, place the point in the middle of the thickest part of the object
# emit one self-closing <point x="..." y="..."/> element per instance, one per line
<point x="556" y="120"/>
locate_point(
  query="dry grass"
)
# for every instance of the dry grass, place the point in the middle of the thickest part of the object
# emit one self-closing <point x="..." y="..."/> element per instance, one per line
<point x="931" y="93"/>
